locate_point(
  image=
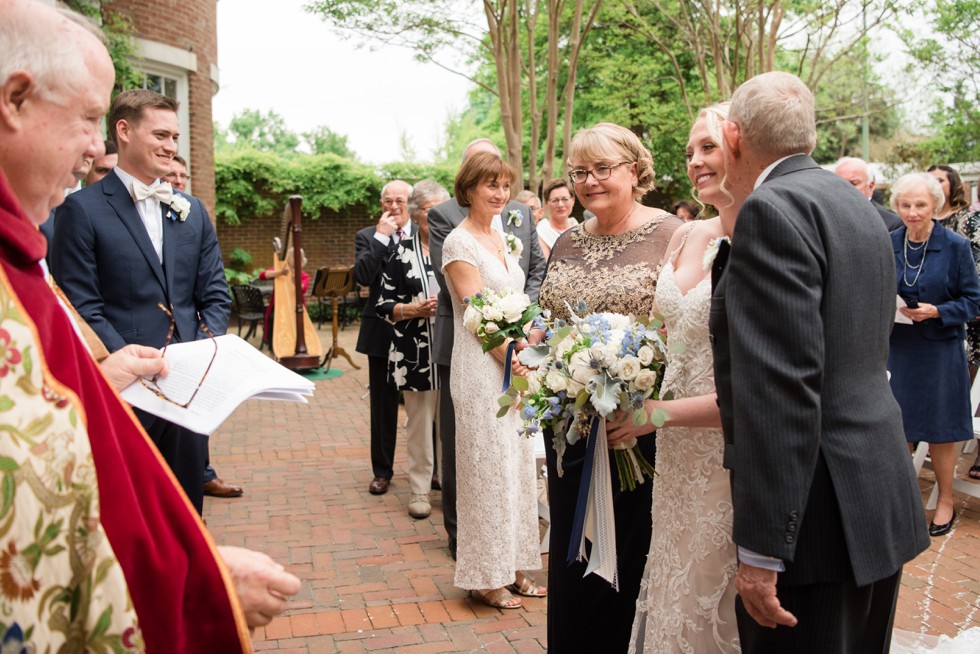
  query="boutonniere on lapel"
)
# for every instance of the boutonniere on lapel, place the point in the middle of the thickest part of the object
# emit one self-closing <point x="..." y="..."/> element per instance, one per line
<point x="514" y="245"/>
<point x="514" y="218"/>
<point x="181" y="206"/>
<point x="712" y="251"/>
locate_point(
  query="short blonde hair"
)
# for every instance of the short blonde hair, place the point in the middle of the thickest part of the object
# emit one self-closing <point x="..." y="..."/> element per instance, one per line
<point x="479" y="168"/>
<point x="909" y="181"/>
<point x="608" y="142"/>
<point x="774" y="112"/>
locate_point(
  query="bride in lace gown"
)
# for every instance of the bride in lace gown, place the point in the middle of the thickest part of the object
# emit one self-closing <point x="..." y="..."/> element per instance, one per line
<point x="496" y="486"/>
<point x="687" y="595"/>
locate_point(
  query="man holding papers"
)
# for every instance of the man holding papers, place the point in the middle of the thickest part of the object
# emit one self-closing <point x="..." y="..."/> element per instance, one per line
<point x="141" y="263"/>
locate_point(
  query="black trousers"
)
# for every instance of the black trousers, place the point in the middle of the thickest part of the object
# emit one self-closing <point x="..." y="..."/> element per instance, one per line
<point x="447" y="432"/>
<point x="834" y="618"/>
<point x="184" y="451"/>
<point x="384" y="417"/>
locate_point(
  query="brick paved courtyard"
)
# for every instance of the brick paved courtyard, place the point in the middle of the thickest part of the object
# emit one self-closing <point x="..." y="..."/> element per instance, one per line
<point x="376" y="580"/>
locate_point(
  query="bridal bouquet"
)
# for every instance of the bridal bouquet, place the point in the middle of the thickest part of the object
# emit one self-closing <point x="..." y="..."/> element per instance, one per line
<point x="587" y="370"/>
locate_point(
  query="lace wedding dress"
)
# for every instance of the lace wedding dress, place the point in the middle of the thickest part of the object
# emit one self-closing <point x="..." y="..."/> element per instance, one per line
<point x="496" y="485"/>
<point x="687" y="595"/>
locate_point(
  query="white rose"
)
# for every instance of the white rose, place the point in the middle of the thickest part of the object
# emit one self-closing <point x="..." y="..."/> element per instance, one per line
<point x="491" y="312"/>
<point x="629" y="368"/>
<point x="556" y="381"/>
<point x="491" y="328"/>
<point x="181" y="206"/>
<point x="644" y="380"/>
<point x="617" y="321"/>
<point x="513" y="306"/>
<point x="472" y="319"/>
<point x="645" y="355"/>
<point x="573" y="387"/>
<point x="534" y="382"/>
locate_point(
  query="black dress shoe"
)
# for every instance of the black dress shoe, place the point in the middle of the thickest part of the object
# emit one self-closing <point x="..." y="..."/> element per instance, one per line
<point x="941" y="530"/>
<point x="379" y="486"/>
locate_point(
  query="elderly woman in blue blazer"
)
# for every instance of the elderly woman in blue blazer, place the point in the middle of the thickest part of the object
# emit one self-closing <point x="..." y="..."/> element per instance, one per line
<point x="939" y="283"/>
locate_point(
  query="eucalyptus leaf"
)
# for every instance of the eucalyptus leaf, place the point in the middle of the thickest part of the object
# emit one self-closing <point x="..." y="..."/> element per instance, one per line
<point x="658" y="417"/>
<point x="505" y="400"/>
<point x="559" y="336"/>
<point x="503" y="411"/>
<point x="519" y="383"/>
<point x="639" y="417"/>
<point x="534" y="355"/>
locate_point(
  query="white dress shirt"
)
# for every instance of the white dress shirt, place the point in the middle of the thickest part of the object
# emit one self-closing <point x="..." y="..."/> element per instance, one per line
<point x="149" y="210"/>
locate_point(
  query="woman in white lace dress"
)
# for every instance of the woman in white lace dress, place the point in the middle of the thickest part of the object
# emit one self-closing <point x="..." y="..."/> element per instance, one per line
<point x="687" y="596"/>
<point x="496" y="490"/>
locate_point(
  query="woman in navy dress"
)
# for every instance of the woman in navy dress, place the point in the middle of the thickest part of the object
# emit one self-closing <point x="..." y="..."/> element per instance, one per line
<point x="930" y="379"/>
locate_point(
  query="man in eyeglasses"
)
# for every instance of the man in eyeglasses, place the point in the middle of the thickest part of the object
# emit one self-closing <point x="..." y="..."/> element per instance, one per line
<point x="372" y="247"/>
<point x="129" y="243"/>
<point x="104" y="551"/>
<point x="177" y="177"/>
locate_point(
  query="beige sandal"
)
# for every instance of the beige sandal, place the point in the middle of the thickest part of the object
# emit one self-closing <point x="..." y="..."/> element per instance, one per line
<point x="499" y="598"/>
<point x="524" y="585"/>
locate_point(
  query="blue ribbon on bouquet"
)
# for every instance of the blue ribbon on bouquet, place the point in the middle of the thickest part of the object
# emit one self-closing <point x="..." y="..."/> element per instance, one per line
<point x="507" y="365"/>
<point x="582" y="502"/>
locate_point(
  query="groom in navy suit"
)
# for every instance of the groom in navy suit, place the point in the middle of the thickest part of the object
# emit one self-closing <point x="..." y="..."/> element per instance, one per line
<point x="129" y="243"/>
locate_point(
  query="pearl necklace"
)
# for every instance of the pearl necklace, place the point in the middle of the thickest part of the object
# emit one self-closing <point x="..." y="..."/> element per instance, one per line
<point x="918" y="269"/>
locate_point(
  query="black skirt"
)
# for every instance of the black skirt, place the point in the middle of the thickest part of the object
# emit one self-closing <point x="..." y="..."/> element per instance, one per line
<point x="586" y="614"/>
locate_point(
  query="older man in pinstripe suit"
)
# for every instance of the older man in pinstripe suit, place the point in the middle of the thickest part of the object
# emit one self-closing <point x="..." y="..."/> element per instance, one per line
<point x="827" y="508"/>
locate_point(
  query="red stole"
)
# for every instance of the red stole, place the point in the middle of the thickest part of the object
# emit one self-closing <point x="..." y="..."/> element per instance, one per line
<point x="184" y="598"/>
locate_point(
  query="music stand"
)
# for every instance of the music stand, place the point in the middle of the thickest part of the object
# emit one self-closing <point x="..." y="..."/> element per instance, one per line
<point x="334" y="283"/>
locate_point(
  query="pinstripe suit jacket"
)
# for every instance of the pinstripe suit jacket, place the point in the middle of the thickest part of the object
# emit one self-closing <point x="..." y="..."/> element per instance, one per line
<point x="800" y="322"/>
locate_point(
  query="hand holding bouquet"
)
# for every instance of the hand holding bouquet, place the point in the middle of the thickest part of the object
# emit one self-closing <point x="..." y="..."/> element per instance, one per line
<point x="495" y="316"/>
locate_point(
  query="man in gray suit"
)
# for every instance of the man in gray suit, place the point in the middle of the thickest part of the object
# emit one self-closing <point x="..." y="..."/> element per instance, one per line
<point x="443" y="218"/>
<point x="826" y="505"/>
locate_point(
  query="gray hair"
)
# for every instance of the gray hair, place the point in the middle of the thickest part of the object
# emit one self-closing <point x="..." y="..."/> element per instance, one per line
<point x="44" y="42"/>
<point x="857" y="162"/>
<point x="493" y="146"/>
<point x="387" y="186"/>
<point x="909" y="181"/>
<point x="524" y="196"/>
<point x="774" y="112"/>
<point x="424" y="192"/>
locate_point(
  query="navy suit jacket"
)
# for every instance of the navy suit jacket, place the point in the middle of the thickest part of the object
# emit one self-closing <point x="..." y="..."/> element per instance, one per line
<point x="103" y="259"/>
<point x="949" y="282"/>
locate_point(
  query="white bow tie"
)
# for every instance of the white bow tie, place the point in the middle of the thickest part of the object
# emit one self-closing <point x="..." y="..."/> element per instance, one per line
<point x="163" y="192"/>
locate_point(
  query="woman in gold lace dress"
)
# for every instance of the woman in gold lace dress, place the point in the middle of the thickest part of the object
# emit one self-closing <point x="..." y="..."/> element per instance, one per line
<point x="611" y="262"/>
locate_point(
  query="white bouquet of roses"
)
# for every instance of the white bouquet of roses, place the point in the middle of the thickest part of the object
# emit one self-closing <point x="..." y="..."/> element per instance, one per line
<point x="495" y="316"/>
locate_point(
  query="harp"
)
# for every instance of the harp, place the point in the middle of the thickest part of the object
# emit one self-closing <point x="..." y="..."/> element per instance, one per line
<point x="295" y="343"/>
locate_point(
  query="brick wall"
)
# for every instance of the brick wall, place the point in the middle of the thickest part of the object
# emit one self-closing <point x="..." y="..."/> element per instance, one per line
<point x="327" y="241"/>
<point x="189" y="25"/>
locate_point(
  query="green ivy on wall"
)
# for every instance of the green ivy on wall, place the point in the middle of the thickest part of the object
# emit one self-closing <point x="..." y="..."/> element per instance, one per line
<point x="250" y="183"/>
